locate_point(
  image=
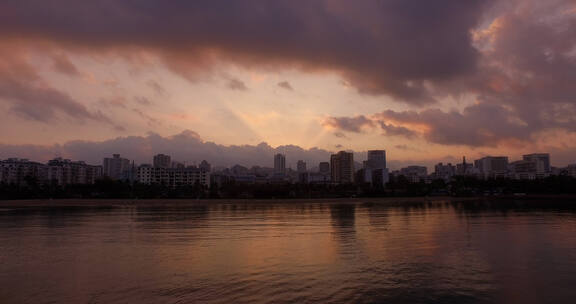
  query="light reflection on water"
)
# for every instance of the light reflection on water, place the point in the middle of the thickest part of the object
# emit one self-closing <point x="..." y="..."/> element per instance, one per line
<point x="419" y="252"/>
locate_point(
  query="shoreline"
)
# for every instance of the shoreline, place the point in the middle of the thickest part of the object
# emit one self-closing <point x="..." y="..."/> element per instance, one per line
<point x="70" y="202"/>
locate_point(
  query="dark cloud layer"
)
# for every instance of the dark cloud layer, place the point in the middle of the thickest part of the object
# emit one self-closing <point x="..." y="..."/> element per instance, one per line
<point x="523" y="83"/>
<point x="380" y="46"/>
<point x="516" y="57"/>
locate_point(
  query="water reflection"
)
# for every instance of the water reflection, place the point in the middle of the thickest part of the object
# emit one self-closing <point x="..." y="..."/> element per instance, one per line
<point x="330" y="252"/>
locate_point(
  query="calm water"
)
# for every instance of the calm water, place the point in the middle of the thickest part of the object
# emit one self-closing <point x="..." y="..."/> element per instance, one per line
<point x="428" y="252"/>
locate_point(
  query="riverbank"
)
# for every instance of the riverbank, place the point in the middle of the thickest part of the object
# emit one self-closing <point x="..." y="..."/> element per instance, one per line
<point x="186" y="202"/>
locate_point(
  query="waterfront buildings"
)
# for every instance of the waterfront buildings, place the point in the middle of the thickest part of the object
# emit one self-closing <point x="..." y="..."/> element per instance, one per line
<point x="21" y="172"/>
<point x="57" y="172"/>
<point x="174" y="175"/>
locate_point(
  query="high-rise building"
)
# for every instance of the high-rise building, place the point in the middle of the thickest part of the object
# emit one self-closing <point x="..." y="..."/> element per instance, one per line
<point x="301" y="166"/>
<point x="279" y="164"/>
<point x="376" y="159"/>
<point x="542" y="161"/>
<point x="374" y="168"/>
<point x="162" y="161"/>
<point x="492" y="166"/>
<point x="116" y="167"/>
<point x="342" y="167"/>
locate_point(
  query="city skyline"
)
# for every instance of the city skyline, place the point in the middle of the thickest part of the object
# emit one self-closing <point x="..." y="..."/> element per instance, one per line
<point x="322" y="75"/>
<point x="280" y="162"/>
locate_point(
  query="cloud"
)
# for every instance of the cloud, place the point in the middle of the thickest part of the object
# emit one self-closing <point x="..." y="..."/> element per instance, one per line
<point x="350" y="124"/>
<point x="391" y="130"/>
<point x="361" y="123"/>
<point x="117" y="102"/>
<point x="340" y="135"/>
<point x="235" y="84"/>
<point x="44" y="103"/>
<point x="158" y="89"/>
<point x="393" y="47"/>
<point x="142" y="100"/>
<point x="516" y="59"/>
<point x="186" y="146"/>
<point x="62" y="64"/>
<point x="151" y="121"/>
<point x="523" y="84"/>
<point x="29" y="96"/>
<point x="286" y="85"/>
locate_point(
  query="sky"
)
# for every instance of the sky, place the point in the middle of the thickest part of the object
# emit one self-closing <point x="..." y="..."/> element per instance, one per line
<point x="237" y="81"/>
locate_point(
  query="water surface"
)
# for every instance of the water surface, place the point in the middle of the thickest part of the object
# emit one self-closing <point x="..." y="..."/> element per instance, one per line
<point x="306" y="252"/>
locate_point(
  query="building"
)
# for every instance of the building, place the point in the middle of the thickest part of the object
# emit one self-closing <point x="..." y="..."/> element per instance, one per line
<point x="570" y="170"/>
<point x="492" y="166"/>
<point x="173" y="177"/>
<point x="22" y="172"/>
<point x="342" y="167"/>
<point x="414" y="174"/>
<point x="376" y="159"/>
<point x="301" y="166"/>
<point x="444" y="171"/>
<point x="279" y="164"/>
<point x="532" y="166"/>
<point x="62" y="172"/>
<point x="542" y="161"/>
<point x="162" y="161"/>
<point x="524" y="169"/>
<point x="116" y="167"/>
<point x="374" y="169"/>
